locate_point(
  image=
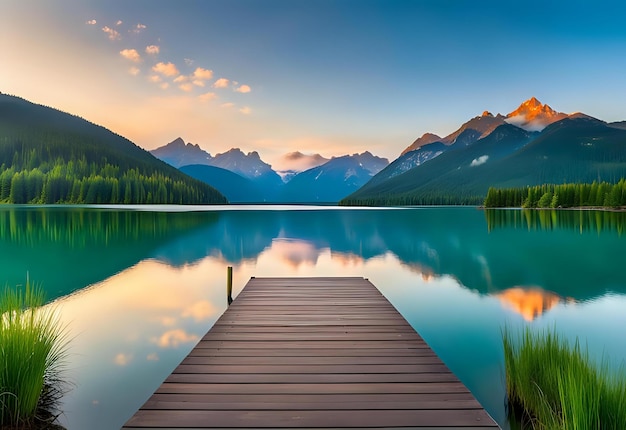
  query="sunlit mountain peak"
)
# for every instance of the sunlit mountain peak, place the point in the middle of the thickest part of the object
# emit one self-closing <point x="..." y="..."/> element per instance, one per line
<point x="532" y="115"/>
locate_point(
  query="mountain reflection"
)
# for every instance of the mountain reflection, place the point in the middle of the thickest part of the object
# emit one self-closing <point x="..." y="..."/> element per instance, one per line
<point x="530" y="303"/>
<point x="486" y="251"/>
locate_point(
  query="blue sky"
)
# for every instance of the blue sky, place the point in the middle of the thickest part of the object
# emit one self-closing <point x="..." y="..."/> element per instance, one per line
<point x="328" y="76"/>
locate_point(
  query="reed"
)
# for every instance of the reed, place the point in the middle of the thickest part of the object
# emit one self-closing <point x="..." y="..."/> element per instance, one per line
<point x="556" y="386"/>
<point x="33" y="348"/>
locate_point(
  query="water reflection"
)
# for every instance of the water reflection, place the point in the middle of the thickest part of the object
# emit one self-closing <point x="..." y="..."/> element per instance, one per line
<point x="531" y="302"/>
<point x="156" y="283"/>
<point x="550" y="219"/>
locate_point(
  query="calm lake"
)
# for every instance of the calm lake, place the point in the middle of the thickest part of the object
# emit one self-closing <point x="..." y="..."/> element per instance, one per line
<point x="138" y="287"/>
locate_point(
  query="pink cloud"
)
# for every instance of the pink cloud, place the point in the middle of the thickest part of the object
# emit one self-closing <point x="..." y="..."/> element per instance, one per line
<point x="186" y="87"/>
<point x="113" y="35"/>
<point x="202" y="74"/>
<point x="245" y="110"/>
<point x="221" y="83"/>
<point x="166" y="69"/>
<point x="244" y="89"/>
<point x="207" y="97"/>
<point x="134" y="71"/>
<point x="131" y="54"/>
<point x="153" y="49"/>
<point x="92" y="22"/>
<point x="139" y="28"/>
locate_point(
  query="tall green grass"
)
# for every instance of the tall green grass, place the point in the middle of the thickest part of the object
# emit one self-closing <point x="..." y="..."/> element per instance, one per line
<point x="33" y="346"/>
<point x="556" y="386"/>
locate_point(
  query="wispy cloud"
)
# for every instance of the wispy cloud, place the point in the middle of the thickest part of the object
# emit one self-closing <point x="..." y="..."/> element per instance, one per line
<point x="164" y="85"/>
<point x="113" y="35"/>
<point x="227" y="105"/>
<point x="244" y="89"/>
<point x="245" y="110"/>
<point x="166" y="69"/>
<point x="131" y="54"/>
<point x="207" y="96"/>
<point x="153" y="49"/>
<point x="138" y="28"/>
<point x="92" y="22"/>
<point x="198" y="82"/>
<point x="134" y="71"/>
<point x="155" y="78"/>
<point x="189" y="62"/>
<point x="480" y="160"/>
<point x="119" y="22"/>
<point x="221" y="83"/>
<point x="180" y="79"/>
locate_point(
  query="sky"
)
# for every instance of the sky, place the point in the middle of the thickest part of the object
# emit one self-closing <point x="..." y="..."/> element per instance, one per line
<point x="318" y="76"/>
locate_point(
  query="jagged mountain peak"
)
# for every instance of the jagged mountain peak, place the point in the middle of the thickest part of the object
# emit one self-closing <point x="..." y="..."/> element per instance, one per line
<point x="532" y="115"/>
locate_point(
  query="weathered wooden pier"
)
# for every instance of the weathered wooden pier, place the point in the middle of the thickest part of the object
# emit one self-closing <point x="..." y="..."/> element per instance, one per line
<point x="311" y="353"/>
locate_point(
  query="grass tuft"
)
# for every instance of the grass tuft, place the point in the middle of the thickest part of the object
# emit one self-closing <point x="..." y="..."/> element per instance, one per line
<point x="555" y="385"/>
<point x="33" y="348"/>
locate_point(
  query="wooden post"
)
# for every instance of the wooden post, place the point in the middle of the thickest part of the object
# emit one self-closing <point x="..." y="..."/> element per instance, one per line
<point x="229" y="285"/>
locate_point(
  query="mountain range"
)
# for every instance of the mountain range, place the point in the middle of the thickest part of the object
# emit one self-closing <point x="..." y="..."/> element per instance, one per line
<point x="302" y="178"/>
<point x="532" y="145"/>
<point x="49" y="156"/>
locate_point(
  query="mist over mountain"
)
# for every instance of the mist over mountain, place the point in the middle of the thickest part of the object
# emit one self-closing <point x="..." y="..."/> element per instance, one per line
<point x="292" y="163"/>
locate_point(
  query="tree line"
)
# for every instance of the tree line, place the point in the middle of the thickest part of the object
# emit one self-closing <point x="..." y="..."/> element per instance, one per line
<point x="596" y="194"/>
<point x="42" y="166"/>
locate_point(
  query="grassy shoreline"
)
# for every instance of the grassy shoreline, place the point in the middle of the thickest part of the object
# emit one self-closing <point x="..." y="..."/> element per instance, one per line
<point x="554" y="385"/>
<point x="32" y="354"/>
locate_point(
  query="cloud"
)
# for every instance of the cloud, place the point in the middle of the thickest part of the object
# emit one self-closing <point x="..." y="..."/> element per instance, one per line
<point x="186" y="87"/>
<point x="244" y="89"/>
<point x="174" y="338"/>
<point x="113" y="35"/>
<point x="480" y="160"/>
<point x="131" y="54"/>
<point x="227" y="105"/>
<point x="180" y="79"/>
<point x="245" y="110"/>
<point x="200" y="311"/>
<point x="92" y="22"/>
<point x="164" y="85"/>
<point x="134" y="71"/>
<point x="119" y="22"/>
<point x="221" y="83"/>
<point x="198" y="82"/>
<point x="166" y="69"/>
<point x="152" y="357"/>
<point x="122" y="359"/>
<point x="207" y="96"/>
<point x="138" y="28"/>
<point x="189" y="62"/>
<point x="202" y="74"/>
<point x="155" y="78"/>
<point x="153" y="49"/>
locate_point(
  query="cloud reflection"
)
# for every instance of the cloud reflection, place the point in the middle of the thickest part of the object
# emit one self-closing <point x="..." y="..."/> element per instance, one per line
<point x="174" y="338"/>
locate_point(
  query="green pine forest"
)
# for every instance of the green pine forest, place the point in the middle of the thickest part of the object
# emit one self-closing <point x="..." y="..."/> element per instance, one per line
<point x="596" y="194"/>
<point x="47" y="156"/>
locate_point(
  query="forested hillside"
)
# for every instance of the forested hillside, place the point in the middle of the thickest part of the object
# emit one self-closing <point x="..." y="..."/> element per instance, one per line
<point x="578" y="149"/>
<point x="47" y="156"/>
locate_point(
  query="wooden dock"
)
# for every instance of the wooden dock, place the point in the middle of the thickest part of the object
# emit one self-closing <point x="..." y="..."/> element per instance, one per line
<point x="311" y="353"/>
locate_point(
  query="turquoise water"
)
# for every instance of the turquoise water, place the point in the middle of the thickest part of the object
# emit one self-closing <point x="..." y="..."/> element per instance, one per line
<point x="138" y="288"/>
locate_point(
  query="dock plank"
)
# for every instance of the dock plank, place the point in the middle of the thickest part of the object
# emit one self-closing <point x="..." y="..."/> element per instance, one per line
<point x="304" y="353"/>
